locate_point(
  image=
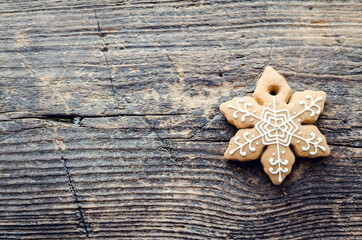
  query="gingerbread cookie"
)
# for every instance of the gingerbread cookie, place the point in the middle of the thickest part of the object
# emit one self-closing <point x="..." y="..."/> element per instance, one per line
<point x="272" y="121"/>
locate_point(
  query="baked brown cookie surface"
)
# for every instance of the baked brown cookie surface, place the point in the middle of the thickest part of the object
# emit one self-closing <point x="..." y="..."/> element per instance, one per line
<point x="272" y="122"/>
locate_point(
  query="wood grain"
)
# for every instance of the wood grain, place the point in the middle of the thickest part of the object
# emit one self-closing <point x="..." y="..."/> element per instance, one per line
<point x="110" y="127"/>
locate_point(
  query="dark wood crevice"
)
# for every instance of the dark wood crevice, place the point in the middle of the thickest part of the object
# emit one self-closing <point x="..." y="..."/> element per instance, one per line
<point x="80" y="210"/>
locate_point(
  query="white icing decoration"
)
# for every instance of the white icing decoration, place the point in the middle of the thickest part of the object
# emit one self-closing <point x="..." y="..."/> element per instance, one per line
<point x="244" y="111"/>
<point x="269" y="104"/>
<point x="241" y="145"/>
<point x="276" y="127"/>
<point x="251" y="120"/>
<point x="312" y="104"/>
<point x="315" y="144"/>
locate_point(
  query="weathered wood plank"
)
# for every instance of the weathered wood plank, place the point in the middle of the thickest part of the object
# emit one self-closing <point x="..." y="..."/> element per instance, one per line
<point x="110" y="127"/>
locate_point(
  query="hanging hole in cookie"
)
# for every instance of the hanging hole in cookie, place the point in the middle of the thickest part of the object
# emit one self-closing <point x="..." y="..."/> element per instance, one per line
<point x="273" y="90"/>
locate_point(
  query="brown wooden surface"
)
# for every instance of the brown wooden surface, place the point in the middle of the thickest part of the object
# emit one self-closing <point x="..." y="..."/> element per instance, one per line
<point x="110" y="127"/>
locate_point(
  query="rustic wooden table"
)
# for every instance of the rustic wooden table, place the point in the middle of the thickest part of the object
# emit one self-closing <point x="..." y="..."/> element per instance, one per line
<point x="110" y="127"/>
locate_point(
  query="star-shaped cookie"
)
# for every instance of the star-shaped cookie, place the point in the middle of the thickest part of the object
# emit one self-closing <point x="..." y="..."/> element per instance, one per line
<point x="273" y="121"/>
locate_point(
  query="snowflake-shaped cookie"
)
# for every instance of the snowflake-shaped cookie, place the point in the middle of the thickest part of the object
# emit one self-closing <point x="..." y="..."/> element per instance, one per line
<point x="274" y="120"/>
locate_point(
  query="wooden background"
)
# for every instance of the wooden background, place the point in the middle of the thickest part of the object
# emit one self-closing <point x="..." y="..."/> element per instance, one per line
<point x="110" y="127"/>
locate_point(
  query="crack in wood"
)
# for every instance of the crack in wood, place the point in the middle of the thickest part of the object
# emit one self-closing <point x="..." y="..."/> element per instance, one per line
<point x="100" y="34"/>
<point x="193" y="133"/>
<point x="164" y="145"/>
<point x="72" y="118"/>
<point x="173" y="65"/>
<point x="74" y="194"/>
<point x="221" y="67"/>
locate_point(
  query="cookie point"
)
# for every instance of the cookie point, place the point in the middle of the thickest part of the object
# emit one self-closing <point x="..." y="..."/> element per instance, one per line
<point x="327" y="151"/>
<point x="222" y="108"/>
<point x="324" y="95"/>
<point x="269" y="68"/>
<point x="276" y="181"/>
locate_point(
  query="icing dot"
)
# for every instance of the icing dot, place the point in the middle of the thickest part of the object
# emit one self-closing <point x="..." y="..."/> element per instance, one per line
<point x="254" y="111"/>
<point x="283" y="152"/>
<point x="269" y="104"/>
<point x="299" y="120"/>
<point x="251" y="120"/>
<point x="298" y="141"/>
<point x="294" y="113"/>
<point x="257" y="143"/>
<point x="300" y="133"/>
<point x="273" y="154"/>
<point x="252" y="135"/>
